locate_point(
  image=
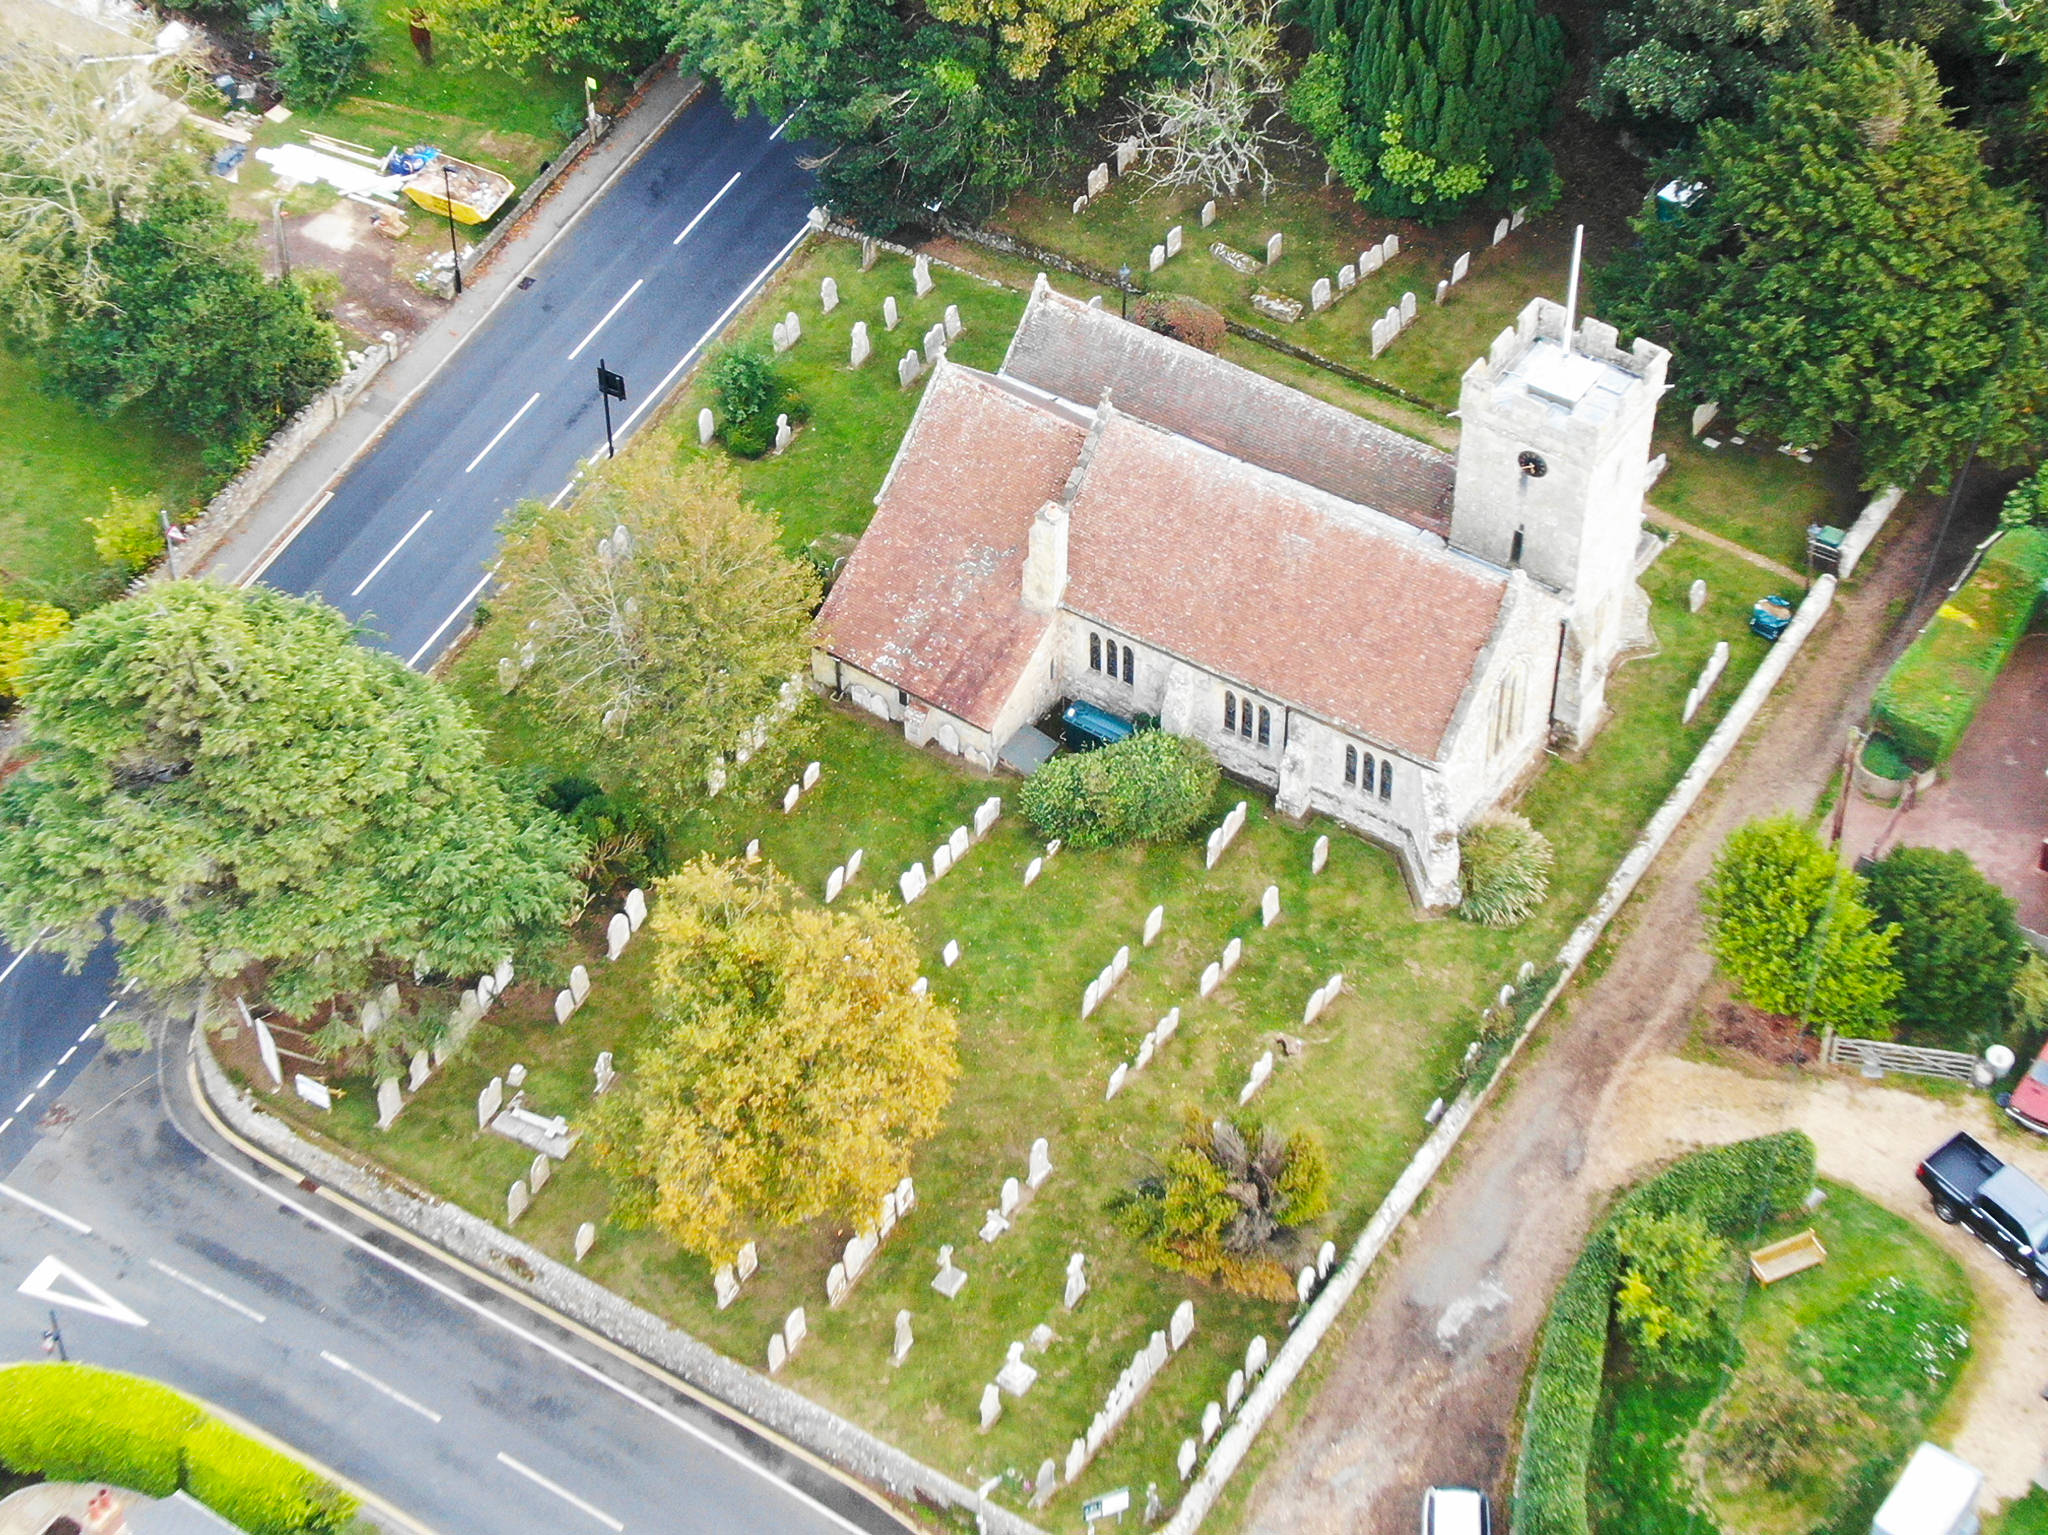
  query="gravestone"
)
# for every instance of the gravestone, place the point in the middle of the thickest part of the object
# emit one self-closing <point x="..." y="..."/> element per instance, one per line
<point x="828" y="295"/>
<point x="1208" y="213"/>
<point x="935" y="342"/>
<point x="746" y="1262"/>
<point x="636" y="907"/>
<point x="586" y="1238"/>
<point x="1033" y="869"/>
<point x="1500" y="231"/>
<point x="784" y="432"/>
<point x="266" y="1046"/>
<point x="1173" y="242"/>
<point x="1121" y="963"/>
<point x="1390" y="247"/>
<point x="951" y="953"/>
<point x="1144" y="1056"/>
<point x="1126" y="152"/>
<point x="1046" y="1484"/>
<point x="1091" y="997"/>
<point x="508" y="674"/>
<point x="1098" y="180"/>
<point x="921" y="275"/>
<point x="1040" y="1163"/>
<point x="1347" y="278"/>
<point x="1212" y="974"/>
<point x="724" y="1287"/>
<point x="565" y="1004"/>
<point x="1016" y="1377"/>
<point x="579" y="983"/>
<point x="753" y="853"/>
<point x="489" y="1101"/>
<point x="537" y="1176"/>
<point x="942" y="861"/>
<point x="1305" y="1283"/>
<point x="1262" y="1068"/>
<point x="795" y="1328"/>
<point x="889" y="312"/>
<point x="1312" y="1009"/>
<point x="1233" y="1391"/>
<point x="1157" y="258"/>
<point x="868" y="252"/>
<point x="1212" y="1420"/>
<point x="1164" y="1029"/>
<point x="906" y="1197"/>
<point x="1269" y="906"/>
<point x="1526" y="973"/>
<point x="1274" y="245"/>
<point x="516" y="1200"/>
<point x="853" y="862"/>
<point x="834" y="883"/>
<point x="372" y="1018"/>
<point x="1319" y="294"/>
<point x="1077" y="1281"/>
<point x="1011" y="1196"/>
<point x="1696" y="598"/>
<point x="835" y="1284"/>
<point x="1185" y="1460"/>
<point x="986" y="815"/>
<point x="789" y="798"/>
<point x="991" y="1405"/>
<point x="1518" y="218"/>
<point x="1319" y="855"/>
<point x="416" y="1078"/>
<point x="778" y="1353"/>
<point x="707" y="425"/>
<point x="949" y="1279"/>
<point x="794" y="326"/>
<point x="1382" y="337"/>
<point x="1077" y="1458"/>
<point x="912" y="883"/>
<point x="781" y="336"/>
<point x="1703" y="416"/>
<point x="515" y="1076"/>
<point x="960" y="842"/>
<point x="921" y="986"/>
<point x="1443" y="290"/>
<point x="862" y="350"/>
<point x="389" y="1102"/>
<point x="1370" y="261"/>
<point x="1326" y="1259"/>
<point x="1255" y="1357"/>
<point x="1233" y="951"/>
<point x="908" y="370"/>
<point x="1116" y="1081"/>
<point x="1155" y="919"/>
<point x="953" y="323"/>
<point x="1182" y="1325"/>
<point x="616" y="932"/>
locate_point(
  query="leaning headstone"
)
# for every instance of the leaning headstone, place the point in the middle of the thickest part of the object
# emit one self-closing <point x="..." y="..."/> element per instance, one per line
<point x="1154" y="920"/>
<point x="1305" y="1284"/>
<point x="908" y="370"/>
<point x="991" y="1405"/>
<point x="1274" y="245"/>
<point x="953" y="323"/>
<point x="616" y="932"/>
<point x="1211" y="977"/>
<point x="782" y="338"/>
<point x="707" y="425"/>
<point x="951" y="953"/>
<point x="1319" y="294"/>
<point x="828" y="295"/>
<point x="1269" y="906"/>
<point x="586" y="1238"/>
<point x="416" y="1076"/>
<point x="889" y="312"/>
<point x="1696" y="598"/>
<point x="1500" y="231"/>
<point x="516" y="1200"/>
<point x="1262" y="1068"/>
<point x="1703" y="416"/>
<point x="1164" y="1029"/>
<point x="834" y="883"/>
<point x="1033" y="869"/>
<point x="1173" y="237"/>
<point x="1461" y="267"/>
<point x="1116" y="1080"/>
<point x="935" y="342"/>
<point x="1182" y="1326"/>
<point x="1208" y="213"/>
<point x="724" y="1288"/>
<point x="565" y="1004"/>
<point x="862" y="350"/>
<point x="1518" y="218"/>
<point x="537" y="1176"/>
<point x="835" y="1284"/>
<point x="853" y="862"/>
<point x="921" y="275"/>
<point x="489" y="1101"/>
<point x="389" y="1102"/>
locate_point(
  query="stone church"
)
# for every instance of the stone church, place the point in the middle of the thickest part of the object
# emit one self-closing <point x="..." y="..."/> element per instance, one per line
<point x="1368" y="626"/>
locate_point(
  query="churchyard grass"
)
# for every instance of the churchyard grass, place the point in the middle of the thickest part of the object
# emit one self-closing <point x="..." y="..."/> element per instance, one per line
<point x="1032" y="1067"/>
<point x="57" y="463"/>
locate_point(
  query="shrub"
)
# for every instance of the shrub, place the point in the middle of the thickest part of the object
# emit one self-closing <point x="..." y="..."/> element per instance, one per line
<point x="1504" y="869"/>
<point x="1883" y="759"/>
<point x="1228" y="1202"/>
<point x="1185" y="319"/>
<point x="24" y="628"/>
<point x="2026" y="504"/>
<point x="1934" y="690"/>
<point x="1776" y="1430"/>
<point x="320" y="45"/>
<point x="1729" y="1188"/>
<point x="258" y="1490"/>
<point x="1671" y="1267"/>
<point x="127" y="536"/>
<point x="1147" y="788"/>
<point x="1791" y="927"/>
<point x="745" y="382"/>
<point x="1958" y="949"/>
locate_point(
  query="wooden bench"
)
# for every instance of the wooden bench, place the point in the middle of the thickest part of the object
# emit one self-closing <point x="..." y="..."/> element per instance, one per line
<point x="1780" y="1260"/>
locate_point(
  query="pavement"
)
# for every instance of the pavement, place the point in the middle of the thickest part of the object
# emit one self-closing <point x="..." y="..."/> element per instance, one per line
<point x="637" y="258"/>
<point x="163" y="1249"/>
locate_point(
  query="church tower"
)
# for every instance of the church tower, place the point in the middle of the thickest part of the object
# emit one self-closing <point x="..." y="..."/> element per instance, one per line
<point x="1553" y="464"/>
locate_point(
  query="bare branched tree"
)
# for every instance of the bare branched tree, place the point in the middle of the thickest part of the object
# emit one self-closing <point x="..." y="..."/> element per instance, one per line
<point x="70" y="163"/>
<point x="1214" y="130"/>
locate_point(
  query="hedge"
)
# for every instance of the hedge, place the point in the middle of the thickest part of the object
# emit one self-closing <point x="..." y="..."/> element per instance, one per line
<point x="75" y="1423"/>
<point x="1728" y="1187"/>
<point x="1934" y="690"/>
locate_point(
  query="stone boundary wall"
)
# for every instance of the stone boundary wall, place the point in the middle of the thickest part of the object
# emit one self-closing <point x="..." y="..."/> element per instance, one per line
<point x="1301" y="1343"/>
<point x="1869" y="523"/>
<point x="561" y="1289"/>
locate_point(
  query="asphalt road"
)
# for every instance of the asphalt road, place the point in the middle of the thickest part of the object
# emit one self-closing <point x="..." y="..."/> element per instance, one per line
<point x="165" y="1251"/>
<point x="643" y="280"/>
<point x="48" y="1033"/>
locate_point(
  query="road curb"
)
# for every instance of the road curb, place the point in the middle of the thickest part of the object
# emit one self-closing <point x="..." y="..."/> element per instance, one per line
<point x="855" y="1458"/>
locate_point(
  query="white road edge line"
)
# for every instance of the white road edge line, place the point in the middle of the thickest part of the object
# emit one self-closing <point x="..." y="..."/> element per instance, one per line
<point x="40" y="1208"/>
<point x="24" y="954"/>
<point x="206" y="1290"/>
<point x="6" y="1124"/>
<point x="461" y="608"/>
<point x="678" y="240"/>
<point x="46" y="1079"/>
<point x="683" y="362"/>
<point x="378" y="568"/>
<point x="377" y="1385"/>
<point x="504" y="429"/>
<point x="533" y="1339"/>
<point x="65" y="1058"/>
<point x="561" y="1492"/>
<point x="789" y="119"/>
<point x="31" y="1098"/>
<point x="638" y="284"/>
<point x="563" y="494"/>
<point x="110" y="1007"/>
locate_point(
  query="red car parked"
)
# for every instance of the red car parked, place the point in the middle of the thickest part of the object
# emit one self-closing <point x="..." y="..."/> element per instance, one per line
<point x="2029" y="1101"/>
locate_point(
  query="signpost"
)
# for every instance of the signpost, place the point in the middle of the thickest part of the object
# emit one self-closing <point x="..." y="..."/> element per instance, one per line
<point x="1109" y="1503"/>
<point x="610" y="386"/>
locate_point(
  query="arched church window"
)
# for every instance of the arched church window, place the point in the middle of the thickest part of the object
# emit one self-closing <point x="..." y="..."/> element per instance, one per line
<point x="1350" y="767"/>
<point x="1230" y="714"/>
<point x="1386" y="780"/>
<point x="1130" y="668"/>
<point x="1095" y="652"/>
<point x="1265" y="726"/>
<point x="1365" y="782"/>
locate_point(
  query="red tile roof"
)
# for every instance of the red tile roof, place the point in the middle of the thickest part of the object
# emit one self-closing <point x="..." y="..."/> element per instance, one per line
<point x="931" y="599"/>
<point x="1289" y="592"/>
<point x="1065" y="348"/>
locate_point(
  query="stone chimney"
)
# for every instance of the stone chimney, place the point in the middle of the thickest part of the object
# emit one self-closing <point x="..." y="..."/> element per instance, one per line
<point x="1045" y="561"/>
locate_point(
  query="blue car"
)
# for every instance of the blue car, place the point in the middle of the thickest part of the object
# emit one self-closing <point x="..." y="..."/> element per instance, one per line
<point x="1083" y="727"/>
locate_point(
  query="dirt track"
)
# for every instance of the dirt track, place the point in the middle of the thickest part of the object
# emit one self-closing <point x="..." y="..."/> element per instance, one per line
<point x="1425" y="1385"/>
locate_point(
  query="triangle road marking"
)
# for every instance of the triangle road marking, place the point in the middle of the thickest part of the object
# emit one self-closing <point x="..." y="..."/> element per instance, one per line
<point x="81" y="1293"/>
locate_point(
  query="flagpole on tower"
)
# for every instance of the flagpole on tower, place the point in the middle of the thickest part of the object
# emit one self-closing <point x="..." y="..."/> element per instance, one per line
<point x="1571" y="292"/>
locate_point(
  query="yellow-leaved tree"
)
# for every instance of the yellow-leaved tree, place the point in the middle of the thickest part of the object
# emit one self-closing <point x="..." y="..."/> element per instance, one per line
<point x="788" y="1072"/>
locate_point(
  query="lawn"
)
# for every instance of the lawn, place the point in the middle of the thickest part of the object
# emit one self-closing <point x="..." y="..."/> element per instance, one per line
<point x="1652" y="1472"/>
<point x="57" y="463"/>
<point x="1032" y="1067"/>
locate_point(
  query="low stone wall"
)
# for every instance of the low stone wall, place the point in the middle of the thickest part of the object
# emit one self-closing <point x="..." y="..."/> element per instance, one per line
<point x="1300" y="1346"/>
<point x="234" y="500"/>
<point x="1869" y="523"/>
<point x="561" y="1289"/>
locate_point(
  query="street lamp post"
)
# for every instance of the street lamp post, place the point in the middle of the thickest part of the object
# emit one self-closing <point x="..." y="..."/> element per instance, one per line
<point x="1123" y="290"/>
<point x="53" y="1340"/>
<point x="454" y="250"/>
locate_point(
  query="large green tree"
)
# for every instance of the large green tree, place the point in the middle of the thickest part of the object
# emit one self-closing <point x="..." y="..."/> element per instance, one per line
<point x="553" y="34"/>
<point x="1794" y="931"/>
<point x="1423" y="106"/>
<point x="1683" y="61"/>
<point x="1849" y="269"/>
<point x="235" y="787"/>
<point x="658" y="650"/>
<point x="789" y="1070"/>
<point x="1959" y="948"/>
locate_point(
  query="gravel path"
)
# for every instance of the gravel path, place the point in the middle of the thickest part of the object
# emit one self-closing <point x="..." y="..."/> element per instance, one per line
<point x="1424" y="1386"/>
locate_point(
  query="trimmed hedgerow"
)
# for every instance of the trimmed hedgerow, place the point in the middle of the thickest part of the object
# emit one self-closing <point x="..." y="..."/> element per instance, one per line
<point x="1731" y="1189"/>
<point x="1146" y="788"/>
<point x="1934" y="690"/>
<point x="75" y="1423"/>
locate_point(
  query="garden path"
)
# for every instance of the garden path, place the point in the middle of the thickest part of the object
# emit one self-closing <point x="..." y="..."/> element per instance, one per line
<point x="1424" y="1385"/>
